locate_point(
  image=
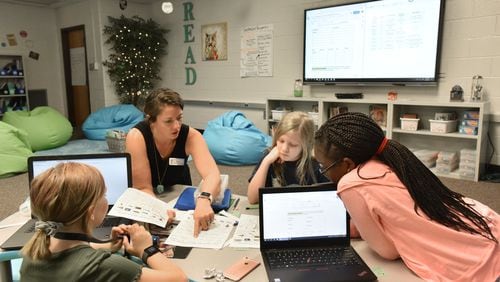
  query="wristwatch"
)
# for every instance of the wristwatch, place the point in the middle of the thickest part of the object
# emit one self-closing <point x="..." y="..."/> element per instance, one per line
<point x="206" y="195"/>
<point x="149" y="251"/>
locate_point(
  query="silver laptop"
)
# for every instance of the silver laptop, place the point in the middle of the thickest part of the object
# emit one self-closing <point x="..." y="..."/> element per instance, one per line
<point x="304" y="236"/>
<point x="116" y="170"/>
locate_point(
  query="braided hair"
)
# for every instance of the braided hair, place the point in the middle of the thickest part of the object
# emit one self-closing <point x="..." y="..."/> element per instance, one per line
<point x="358" y="137"/>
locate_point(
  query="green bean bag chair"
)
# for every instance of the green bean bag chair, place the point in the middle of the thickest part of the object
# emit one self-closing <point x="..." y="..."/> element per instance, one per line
<point x="46" y="127"/>
<point x="14" y="151"/>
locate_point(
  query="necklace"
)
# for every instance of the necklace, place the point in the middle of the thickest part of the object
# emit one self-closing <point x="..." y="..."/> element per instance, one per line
<point x="159" y="188"/>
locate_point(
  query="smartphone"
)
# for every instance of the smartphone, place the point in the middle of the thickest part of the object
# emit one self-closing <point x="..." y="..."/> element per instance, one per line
<point x="240" y="268"/>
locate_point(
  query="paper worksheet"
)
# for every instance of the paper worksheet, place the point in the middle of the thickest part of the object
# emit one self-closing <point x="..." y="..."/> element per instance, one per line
<point x="213" y="238"/>
<point x="247" y="233"/>
<point x="140" y="206"/>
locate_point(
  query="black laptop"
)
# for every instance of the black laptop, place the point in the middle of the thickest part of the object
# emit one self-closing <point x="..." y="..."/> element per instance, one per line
<point x="304" y="236"/>
<point x="117" y="173"/>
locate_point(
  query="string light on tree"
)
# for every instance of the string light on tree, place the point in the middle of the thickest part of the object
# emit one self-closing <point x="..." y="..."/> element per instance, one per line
<point x="134" y="66"/>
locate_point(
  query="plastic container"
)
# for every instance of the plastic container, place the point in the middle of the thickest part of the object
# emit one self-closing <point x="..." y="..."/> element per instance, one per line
<point x="447" y="157"/>
<point x="443" y="126"/>
<point x="409" y="124"/>
<point x="468" y="154"/>
<point x="277" y="114"/>
<point x="298" y="89"/>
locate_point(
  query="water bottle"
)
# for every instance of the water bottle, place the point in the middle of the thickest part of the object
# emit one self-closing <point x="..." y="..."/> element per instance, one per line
<point x="297" y="88"/>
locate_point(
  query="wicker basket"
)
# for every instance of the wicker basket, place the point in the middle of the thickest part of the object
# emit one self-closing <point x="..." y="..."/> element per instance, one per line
<point x="116" y="144"/>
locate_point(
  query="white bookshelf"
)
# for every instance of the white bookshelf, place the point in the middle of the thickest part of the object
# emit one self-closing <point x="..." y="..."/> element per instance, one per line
<point x="422" y="138"/>
<point x="13" y="88"/>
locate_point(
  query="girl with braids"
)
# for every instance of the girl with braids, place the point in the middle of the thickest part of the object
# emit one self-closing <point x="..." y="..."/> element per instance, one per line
<point x="289" y="160"/>
<point x="402" y="209"/>
<point x="69" y="202"/>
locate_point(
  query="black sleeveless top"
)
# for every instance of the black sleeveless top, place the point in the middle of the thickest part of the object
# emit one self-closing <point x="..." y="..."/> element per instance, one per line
<point x="175" y="174"/>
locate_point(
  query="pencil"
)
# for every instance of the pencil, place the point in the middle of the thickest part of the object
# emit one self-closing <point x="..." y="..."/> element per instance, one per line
<point x="252" y="207"/>
<point x="236" y="203"/>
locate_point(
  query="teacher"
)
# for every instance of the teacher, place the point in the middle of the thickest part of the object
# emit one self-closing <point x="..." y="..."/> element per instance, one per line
<point x="160" y="146"/>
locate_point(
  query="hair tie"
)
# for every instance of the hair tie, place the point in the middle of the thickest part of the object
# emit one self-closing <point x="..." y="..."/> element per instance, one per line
<point x="381" y="147"/>
<point x="48" y="227"/>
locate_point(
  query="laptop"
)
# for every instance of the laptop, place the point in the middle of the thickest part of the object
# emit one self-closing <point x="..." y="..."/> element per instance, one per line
<point x="304" y="236"/>
<point x="117" y="173"/>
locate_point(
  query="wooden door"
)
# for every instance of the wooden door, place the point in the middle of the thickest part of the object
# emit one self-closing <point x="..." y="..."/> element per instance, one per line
<point x="75" y="70"/>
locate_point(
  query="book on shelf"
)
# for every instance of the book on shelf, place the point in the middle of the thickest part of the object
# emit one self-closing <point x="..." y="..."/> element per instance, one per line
<point x="379" y="114"/>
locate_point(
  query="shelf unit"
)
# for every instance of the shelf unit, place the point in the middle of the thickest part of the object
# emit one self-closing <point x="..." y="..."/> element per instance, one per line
<point x="13" y="88"/>
<point x="423" y="138"/>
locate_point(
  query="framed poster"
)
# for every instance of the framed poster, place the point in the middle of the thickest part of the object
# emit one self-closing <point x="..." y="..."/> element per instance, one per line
<point x="214" y="42"/>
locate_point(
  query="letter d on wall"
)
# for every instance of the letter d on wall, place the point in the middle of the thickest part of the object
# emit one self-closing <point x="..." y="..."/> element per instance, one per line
<point x="190" y="76"/>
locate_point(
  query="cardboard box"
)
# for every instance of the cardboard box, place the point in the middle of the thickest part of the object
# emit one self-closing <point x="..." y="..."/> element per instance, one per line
<point x="469" y="130"/>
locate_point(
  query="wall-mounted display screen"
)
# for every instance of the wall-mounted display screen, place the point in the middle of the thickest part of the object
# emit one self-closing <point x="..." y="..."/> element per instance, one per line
<point x="374" y="42"/>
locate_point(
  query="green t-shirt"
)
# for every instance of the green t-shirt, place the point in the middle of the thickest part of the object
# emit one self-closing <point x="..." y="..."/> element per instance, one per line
<point x="81" y="263"/>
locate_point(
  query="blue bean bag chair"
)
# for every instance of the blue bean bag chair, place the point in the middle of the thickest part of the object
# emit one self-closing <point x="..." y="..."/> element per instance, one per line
<point x="14" y="151"/>
<point x="45" y="126"/>
<point x="234" y="140"/>
<point x="119" y="117"/>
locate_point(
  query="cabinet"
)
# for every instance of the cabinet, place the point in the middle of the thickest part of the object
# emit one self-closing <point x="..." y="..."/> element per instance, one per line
<point x="388" y="114"/>
<point x="13" y="89"/>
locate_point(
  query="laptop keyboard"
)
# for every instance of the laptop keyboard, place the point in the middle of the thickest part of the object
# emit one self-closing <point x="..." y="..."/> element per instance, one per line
<point x="311" y="257"/>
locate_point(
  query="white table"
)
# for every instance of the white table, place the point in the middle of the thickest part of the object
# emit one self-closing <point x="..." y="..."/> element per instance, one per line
<point x="199" y="259"/>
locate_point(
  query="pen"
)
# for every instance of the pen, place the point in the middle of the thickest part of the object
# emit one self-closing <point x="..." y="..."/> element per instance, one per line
<point x="236" y="203"/>
<point x="252" y="207"/>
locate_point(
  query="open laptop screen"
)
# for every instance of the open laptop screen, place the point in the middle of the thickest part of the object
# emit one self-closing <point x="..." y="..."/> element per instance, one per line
<point x="115" y="169"/>
<point x="302" y="215"/>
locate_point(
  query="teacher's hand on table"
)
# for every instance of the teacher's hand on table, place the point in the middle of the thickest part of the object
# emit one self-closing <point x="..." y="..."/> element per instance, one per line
<point x="203" y="215"/>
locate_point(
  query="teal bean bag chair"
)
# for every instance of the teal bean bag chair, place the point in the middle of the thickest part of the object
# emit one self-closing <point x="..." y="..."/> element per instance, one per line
<point x="46" y="127"/>
<point x="14" y="151"/>
<point x="120" y="117"/>
<point x="234" y="140"/>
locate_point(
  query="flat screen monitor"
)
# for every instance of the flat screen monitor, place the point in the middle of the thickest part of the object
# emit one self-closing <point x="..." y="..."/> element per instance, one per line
<point x="373" y="42"/>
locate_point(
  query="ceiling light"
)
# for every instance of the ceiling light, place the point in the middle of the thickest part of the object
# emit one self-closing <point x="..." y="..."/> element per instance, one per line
<point x="167" y="7"/>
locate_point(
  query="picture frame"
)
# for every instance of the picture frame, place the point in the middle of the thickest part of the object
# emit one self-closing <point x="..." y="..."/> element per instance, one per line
<point x="214" y="42"/>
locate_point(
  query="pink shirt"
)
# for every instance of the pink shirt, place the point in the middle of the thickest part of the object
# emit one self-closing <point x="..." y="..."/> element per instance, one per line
<point x="383" y="211"/>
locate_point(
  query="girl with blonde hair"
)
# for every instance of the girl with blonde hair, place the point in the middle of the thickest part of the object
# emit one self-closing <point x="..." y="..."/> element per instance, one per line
<point x="289" y="160"/>
<point x="69" y="199"/>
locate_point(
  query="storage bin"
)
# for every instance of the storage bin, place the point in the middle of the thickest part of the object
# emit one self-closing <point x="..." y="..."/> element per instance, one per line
<point x="468" y="154"/>
<point x="447" y="157"/>
<point x="409" y="123"/>
<point x="443" y="126"/>
<point x="445" y="116"/>
<point x="277" y="114"/>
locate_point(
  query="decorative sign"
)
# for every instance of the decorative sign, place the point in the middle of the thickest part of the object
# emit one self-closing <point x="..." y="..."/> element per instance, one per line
<point x="214" y="40"/>
<point x="189" y="37"/>
<point x="256" y="53"/>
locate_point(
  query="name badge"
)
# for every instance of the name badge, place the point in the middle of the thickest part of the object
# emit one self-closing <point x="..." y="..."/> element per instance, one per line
<point x="175" y="161"/>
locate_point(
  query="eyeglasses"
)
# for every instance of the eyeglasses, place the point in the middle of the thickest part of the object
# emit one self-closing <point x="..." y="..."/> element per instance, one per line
<point x="324" y="170"/>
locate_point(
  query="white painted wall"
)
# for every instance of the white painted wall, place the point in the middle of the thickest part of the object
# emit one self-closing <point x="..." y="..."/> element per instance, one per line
<point x="470" y="46"/>
<point x="40" y="24"/>
<point x="471" y="36"/>
<point x="94" y="15"/>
